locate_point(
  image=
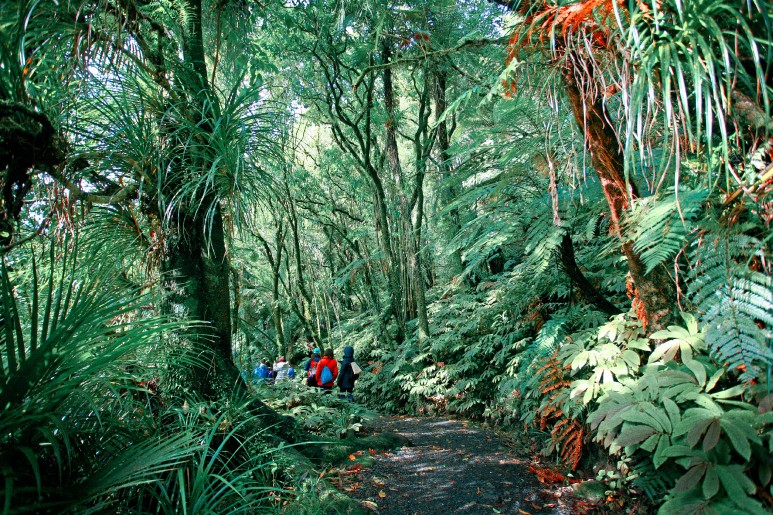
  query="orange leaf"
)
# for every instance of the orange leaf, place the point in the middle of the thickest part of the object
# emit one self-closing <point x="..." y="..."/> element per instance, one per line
<point x="381" y="494"/>
<point x="352" y="457"/>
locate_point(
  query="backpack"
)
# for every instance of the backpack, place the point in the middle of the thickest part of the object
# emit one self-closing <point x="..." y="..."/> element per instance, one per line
<point x="313" y="367"/>
<point x="311" y="380"/>
<point x="326" y="376"/>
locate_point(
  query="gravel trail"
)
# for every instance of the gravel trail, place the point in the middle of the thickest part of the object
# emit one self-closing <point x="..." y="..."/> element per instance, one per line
<point x="452" y="467"/>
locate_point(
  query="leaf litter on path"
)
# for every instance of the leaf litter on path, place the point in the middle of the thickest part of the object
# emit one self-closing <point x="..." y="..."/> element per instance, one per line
<point x="452" y="467"/>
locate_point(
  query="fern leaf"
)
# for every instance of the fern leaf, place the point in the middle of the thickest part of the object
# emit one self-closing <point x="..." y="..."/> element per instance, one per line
<point x="659" y="227"/>
<point x="736" y="304"/>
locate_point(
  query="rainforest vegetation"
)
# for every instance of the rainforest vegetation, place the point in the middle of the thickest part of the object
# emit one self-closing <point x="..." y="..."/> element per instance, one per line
<point x="553" y="216"/>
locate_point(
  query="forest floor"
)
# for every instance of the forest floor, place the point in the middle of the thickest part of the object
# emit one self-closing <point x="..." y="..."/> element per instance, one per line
<point x="451" y="467"/>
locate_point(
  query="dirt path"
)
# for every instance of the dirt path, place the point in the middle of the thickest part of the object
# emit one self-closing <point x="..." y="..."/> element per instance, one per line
<point x="452" y="467"/>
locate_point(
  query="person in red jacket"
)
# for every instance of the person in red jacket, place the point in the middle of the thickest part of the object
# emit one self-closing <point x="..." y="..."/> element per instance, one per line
<point x="329" y="363"/>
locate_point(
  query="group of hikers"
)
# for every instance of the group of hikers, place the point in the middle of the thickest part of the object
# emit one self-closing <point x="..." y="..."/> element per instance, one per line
<point x="281" y="371"/>
<point x="322" y="371"/>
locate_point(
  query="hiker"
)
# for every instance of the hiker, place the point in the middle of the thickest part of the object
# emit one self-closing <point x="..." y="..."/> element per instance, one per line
<point x="350" y="371"/>
<point x="261" y="371"/>
<point x="281" y="368"/>
<point x="290" y="371"/>
<point x="311" y="367"/>
<point x="327" y="371"/>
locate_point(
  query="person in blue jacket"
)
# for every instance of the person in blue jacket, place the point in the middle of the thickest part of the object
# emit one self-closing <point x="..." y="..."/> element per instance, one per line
<point x="261" y="371"/>
<point x="311" y="367"/>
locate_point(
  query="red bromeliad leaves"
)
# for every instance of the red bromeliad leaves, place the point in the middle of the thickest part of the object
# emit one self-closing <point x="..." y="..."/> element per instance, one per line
<point x="592" y="18"/>
<point x="572" y="17"/>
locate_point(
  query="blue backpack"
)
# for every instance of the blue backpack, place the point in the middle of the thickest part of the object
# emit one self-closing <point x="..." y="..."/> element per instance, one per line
<point x="326" y="376"/>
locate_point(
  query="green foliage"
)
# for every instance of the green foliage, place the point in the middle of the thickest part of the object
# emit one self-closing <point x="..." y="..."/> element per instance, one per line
<point x="735" y="301"/>
<point x="319" y="414"/>
<point x="232" y="467"/>
<point x="85" y="422"/>
<point x="675" y="411"/>
<point x="706" y="58"/>
<point x="65" y="390"/>
<point x="659" y="226"/>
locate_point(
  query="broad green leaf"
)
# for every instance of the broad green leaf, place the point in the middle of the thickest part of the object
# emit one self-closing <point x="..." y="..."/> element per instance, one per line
<point x="691" y="478"/>
<point x="699" y="427"/>
<point x="631" y="358"/>
<point x="735" y="482"/>
<point x="677" y="451"/>
<point x="712" y="435"/>
<point x="631" y="435"/>
<point x="650" y="443"/>
<point x="740" y="441"/>
<point x="715" y="377"/>
<point x="659" y="456"/>
<point x="698" y="369"/>
<point x="735" y="391"/>
<point x="674" y="414"/>
<point x="710" y="483"/>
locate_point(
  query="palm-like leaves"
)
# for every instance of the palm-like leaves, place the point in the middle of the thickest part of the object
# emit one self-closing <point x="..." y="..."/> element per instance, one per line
<point x="694" y="64"/>
<point x="79" y="433"/>
<point x="68" y="411"/>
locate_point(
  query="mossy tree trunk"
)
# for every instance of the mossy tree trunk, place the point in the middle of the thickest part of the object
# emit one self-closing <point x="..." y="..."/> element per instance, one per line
<point x="654" y="293"/>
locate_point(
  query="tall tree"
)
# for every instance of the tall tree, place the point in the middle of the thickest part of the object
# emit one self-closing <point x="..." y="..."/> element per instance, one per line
<point x="153" y="130"/>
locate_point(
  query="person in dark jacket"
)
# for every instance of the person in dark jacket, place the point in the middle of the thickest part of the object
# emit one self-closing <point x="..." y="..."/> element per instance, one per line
<point x="331" y="364"/>
<point x="349" y="374"/>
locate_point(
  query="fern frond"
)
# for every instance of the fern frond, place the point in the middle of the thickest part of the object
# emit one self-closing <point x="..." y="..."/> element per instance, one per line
<point x="659" y="227"/>
<point x="735" y="304"/>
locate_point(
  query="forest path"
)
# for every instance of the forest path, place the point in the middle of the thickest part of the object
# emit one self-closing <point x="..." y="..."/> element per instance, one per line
<point x="452" y="467"/>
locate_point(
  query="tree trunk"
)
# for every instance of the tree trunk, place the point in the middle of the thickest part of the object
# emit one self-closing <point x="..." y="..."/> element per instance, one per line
<point x="450" y="224"/>
<point x="654" y="294"/>
<point x="586" y="289"/>
<point x="196" y="273"/>
<point x="407" y="243"/>
<point x="196" y="266"/>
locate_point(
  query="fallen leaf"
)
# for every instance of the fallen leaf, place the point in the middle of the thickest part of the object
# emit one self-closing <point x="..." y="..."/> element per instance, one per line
<point x="523" y="512"/>
<point x="352" y="457"/>
<point x="478" y="492"/>
<point x="381" y="494"/>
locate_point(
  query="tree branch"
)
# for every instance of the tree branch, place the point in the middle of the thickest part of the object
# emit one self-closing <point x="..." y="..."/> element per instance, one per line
<point x="468" y="43"/>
